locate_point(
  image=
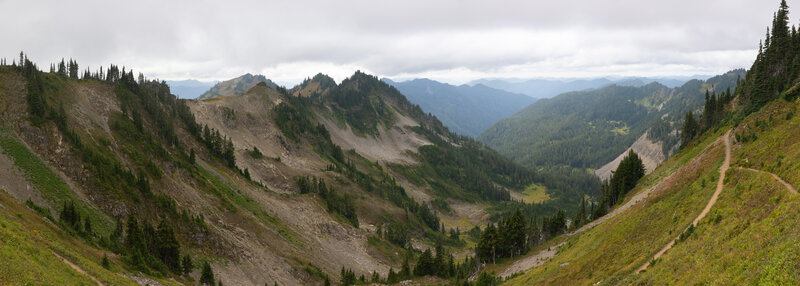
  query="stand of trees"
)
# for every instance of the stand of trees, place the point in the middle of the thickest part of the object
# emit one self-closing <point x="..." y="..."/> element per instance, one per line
<point x="219" y="145"/>
<point x="713" y="114"/>
<point x="71" y="218"/>
<point x="148" y="248"/>
<point x="514" y="236"/>
<point x="340" y="204"/>
<point x="775" y="68"/>
<point x="624" y="179"/>
<point x="439" y="263"/>
<point x="508" y="239"/>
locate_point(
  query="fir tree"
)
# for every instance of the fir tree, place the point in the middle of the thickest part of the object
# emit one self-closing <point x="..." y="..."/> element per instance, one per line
<point x="207" y="275"/>
<point x="187" y="265"/>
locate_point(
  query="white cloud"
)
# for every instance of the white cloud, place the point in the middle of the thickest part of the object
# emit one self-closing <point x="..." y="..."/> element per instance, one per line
<point x="451" y="40"/>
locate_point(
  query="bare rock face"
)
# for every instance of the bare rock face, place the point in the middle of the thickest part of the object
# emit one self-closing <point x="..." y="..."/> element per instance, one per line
<point x="650" y="152"/>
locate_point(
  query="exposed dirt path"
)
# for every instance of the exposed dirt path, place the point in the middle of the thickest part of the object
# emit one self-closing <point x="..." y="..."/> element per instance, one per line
<point x="77" y="268"/>
<point x="544" y="255"/>
<point x="775" y="176"/>
<point x="720" y="184"/>
<point x="531" y="261"/>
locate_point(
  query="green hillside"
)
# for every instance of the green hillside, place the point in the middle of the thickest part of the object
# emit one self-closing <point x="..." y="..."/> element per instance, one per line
<point x="587" y="129"/>
<point x="721" y="211"/>
<point x="151" y="181"/>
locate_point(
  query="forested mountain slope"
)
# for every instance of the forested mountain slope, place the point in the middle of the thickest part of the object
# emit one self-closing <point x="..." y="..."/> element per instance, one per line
<point x="587" y="129"/>
<point x="269" y="185"/>
<point x="466" y="110"/>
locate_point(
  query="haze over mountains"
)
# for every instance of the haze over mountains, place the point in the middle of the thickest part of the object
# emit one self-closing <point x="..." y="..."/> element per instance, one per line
<point x="190" y="88"/>
<point x="547" y="174"/>
<point x="546" y="88"/>
<point x="466" y="110"/>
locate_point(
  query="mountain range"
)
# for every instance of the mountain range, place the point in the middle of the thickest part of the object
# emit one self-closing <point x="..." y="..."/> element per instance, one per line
<point x="466" y="110"/>
<point x="587" y="129"/>
<point x="546" y="88"/>
<point x="111" y="179"/>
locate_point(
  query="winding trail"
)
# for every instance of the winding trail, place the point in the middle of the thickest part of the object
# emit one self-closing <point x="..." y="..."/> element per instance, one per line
<point x="543" y="256"/>
<point x="775" y="176"/>
<point x="720" y="184"/>
<point x="77" y="268"/>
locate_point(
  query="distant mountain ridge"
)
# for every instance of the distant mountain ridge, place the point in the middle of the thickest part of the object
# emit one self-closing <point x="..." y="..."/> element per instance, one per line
<point x="587" y="129"/>
<point x="546" y="88"/>
<point x="236" y="86"/>
<point x="466" y="110"/>
<point x="190" y="88"/>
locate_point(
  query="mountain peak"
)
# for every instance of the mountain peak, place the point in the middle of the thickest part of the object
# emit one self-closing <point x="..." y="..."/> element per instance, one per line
<point x="237" y="85"/>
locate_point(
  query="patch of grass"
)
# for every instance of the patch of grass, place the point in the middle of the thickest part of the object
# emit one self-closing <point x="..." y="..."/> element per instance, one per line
<point x="535" y="194"/>
<point x="231" y="197"/>
<point x="386" y="248"/>
<point x="315" y="271"/>
<point x="621" y="130"/>
<point x="53" y="189"/>
<point x="28" y="246"/>
<point x="42" y="211"/>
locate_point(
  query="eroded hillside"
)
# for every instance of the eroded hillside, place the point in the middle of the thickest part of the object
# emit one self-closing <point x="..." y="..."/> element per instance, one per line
<point x="264" y="186"/>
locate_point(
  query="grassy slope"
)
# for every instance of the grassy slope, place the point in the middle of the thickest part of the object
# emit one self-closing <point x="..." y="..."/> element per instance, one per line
<point x="748" y="238"/>
<point x="616" y="248"/>
<point x="51" y="186"/>
<point x="751" y="235"/>
<point x="27" y="244"/>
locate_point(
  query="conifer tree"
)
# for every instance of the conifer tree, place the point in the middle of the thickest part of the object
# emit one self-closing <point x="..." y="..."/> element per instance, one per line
<point x="580" y="216"/>
<point x="689" y="130"/>
<point x="168" y="247"/>
<point x="207" y="275"/>
<point x="187" y="265"/>
<point x="533" y="231"/>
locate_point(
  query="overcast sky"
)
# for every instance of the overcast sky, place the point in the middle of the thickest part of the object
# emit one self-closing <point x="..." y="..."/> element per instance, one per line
<point x="453" y="41"/>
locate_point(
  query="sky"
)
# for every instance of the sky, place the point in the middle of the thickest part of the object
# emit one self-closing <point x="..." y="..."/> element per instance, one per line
<point x="453" y="41"/>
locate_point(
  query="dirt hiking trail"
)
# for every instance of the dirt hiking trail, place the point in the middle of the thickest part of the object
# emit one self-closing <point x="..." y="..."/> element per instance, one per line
<point x="775" y="176"/>
<point x="544" y="255"/>
<point x="77" y="268"/>
<point x="720" y="184"/>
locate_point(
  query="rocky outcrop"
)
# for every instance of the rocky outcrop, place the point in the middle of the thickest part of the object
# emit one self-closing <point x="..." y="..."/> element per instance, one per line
<point x="650" y="152"/>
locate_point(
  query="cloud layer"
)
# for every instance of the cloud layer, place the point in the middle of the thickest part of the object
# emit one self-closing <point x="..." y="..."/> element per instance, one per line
<point x="450" y="40"/>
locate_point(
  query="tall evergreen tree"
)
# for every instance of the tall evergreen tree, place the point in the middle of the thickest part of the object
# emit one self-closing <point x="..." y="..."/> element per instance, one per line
<point x="689" y="130"/>
<point x="534" y="234"/>
<point x="486" y="245"/>
<point x="168" y="247"/>
<point x="580" y="216"/>
<point x="207" y="275"/>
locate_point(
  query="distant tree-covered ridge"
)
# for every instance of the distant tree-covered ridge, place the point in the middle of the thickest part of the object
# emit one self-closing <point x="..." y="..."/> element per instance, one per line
<point x="588" y="129"/>
<point x="466" y="110"/>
